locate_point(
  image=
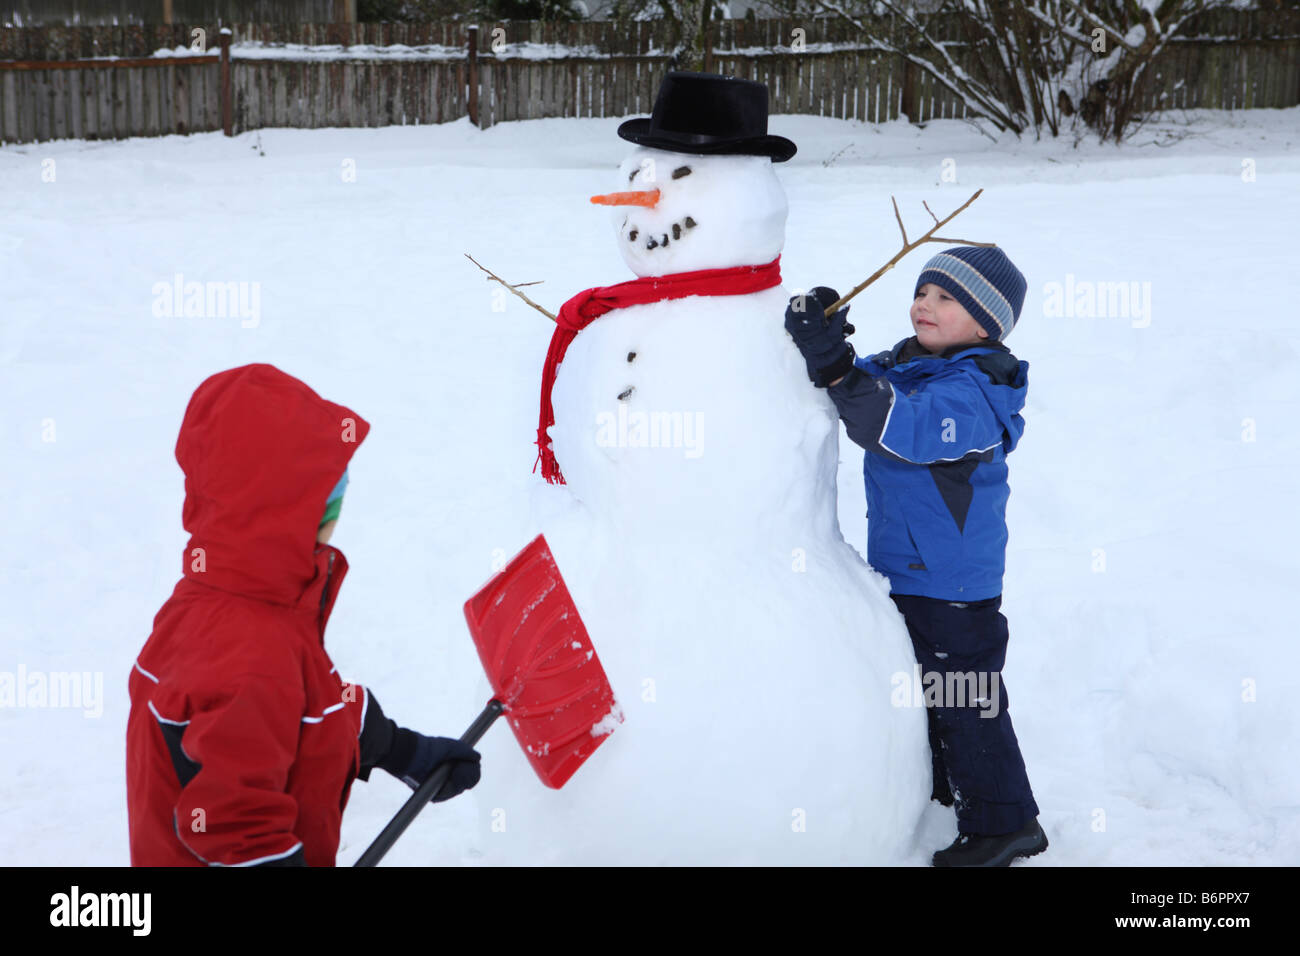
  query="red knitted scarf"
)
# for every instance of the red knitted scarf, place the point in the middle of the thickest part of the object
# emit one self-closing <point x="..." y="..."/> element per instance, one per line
<point x="576" y="314"/>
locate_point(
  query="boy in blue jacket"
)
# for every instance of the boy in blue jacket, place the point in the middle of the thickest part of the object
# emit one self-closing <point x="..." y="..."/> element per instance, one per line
<point x="938" y="414"/>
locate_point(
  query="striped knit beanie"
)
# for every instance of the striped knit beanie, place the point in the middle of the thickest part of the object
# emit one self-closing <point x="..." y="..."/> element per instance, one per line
<point x="984" y="281"/>
<point x="334" y="504"/>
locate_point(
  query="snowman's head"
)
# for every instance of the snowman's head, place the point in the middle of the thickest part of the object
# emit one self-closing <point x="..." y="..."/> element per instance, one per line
<point x="678" y="212"/>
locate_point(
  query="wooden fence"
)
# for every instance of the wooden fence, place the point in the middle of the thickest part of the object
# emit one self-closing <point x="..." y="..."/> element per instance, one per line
<point x="386" y="74"/>
<point x="42" y="13"/>
<point x="852" y="84"/>
<point x="109" y="99"/>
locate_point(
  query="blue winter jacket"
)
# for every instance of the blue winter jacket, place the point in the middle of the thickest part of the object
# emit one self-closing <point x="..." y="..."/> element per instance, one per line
<point x="937" y="429"/>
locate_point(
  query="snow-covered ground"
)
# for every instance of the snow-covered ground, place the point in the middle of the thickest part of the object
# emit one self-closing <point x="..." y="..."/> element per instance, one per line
<point x="1152" y="669"/>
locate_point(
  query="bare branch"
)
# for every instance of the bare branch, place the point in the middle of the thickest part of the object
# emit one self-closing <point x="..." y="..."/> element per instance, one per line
<point x="1097" y="21"/>
<point x="513" y="288"/>
<point x="1063" y="28"/>
<point x="899" y="217"/>
<point x="976" y="96"/>
<point x="908" y="247"/>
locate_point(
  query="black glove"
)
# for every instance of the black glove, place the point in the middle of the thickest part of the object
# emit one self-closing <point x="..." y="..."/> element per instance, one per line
<point x="414" y="756"/>
<point x="821" y="340"/>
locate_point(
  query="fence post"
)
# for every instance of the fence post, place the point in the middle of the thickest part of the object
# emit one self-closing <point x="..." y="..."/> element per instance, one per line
<point x="911" y="100"/>
<point x="473" y="75"/>
<point x="225" y="82"/>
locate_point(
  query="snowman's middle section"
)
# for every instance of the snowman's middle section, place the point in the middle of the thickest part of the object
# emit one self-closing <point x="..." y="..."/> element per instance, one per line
<point x="696" y="413"/>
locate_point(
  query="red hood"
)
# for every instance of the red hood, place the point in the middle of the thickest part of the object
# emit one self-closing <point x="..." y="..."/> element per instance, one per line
<point x="261" y="452"/>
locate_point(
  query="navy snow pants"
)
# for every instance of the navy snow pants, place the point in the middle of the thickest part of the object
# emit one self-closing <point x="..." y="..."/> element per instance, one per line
<point x="978" y="755"/>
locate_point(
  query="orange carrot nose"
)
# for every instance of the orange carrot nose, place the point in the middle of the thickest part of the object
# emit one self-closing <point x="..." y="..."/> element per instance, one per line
<point x="637" y="197"/>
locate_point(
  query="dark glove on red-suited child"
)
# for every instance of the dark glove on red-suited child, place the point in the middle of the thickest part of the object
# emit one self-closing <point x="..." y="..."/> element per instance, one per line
<point x="414" y="756"/>
<point x="411" y="756"/>
<point x="821" y="340"/>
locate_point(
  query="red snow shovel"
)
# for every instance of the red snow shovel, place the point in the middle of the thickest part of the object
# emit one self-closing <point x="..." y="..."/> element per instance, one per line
<point x="544" y="674"/>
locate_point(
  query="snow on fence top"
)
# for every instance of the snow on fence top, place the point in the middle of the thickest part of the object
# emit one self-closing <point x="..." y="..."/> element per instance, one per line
<point x="254" y="50"/>
<point x="525" y="39"/>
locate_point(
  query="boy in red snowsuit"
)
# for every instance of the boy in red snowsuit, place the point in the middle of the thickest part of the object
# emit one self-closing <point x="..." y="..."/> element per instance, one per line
<point x="243" y="741"/>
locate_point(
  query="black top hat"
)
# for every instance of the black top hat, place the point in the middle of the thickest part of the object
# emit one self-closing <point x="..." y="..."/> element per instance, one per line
<point x="709" y="113"/>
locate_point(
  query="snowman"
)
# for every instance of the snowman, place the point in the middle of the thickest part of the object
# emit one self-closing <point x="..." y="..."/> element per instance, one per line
<point x="691" y="506"/>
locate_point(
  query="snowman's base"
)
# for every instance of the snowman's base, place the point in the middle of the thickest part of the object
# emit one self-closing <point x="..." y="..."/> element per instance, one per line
<point x="757" y="730"/>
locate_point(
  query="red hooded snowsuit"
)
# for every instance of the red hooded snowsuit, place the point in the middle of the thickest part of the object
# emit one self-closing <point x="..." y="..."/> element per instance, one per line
<point x="242" y="743"/>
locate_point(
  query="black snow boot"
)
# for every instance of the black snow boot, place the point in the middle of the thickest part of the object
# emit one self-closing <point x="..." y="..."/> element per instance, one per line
<point x="971" y="849"/>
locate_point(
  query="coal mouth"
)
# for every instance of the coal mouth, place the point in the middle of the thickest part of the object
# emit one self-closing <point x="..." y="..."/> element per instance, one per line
<point x="658" y="238"/>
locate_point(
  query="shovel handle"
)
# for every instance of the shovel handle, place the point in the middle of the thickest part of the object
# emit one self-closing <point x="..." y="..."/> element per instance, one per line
<point x="432" y="784"/>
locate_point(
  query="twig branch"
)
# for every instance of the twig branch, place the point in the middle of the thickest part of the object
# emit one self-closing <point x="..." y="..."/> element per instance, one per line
<point x="909" y="246"/>
<point x="899" y="217"/>
<point x="1111" y="31"/>
<point x="977" y="97"/>
<point x="513" y="288"/>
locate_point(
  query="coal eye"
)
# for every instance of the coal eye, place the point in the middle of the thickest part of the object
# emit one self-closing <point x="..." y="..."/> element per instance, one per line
<point x="681" y="171"/>
<point x="632" y="175"/>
